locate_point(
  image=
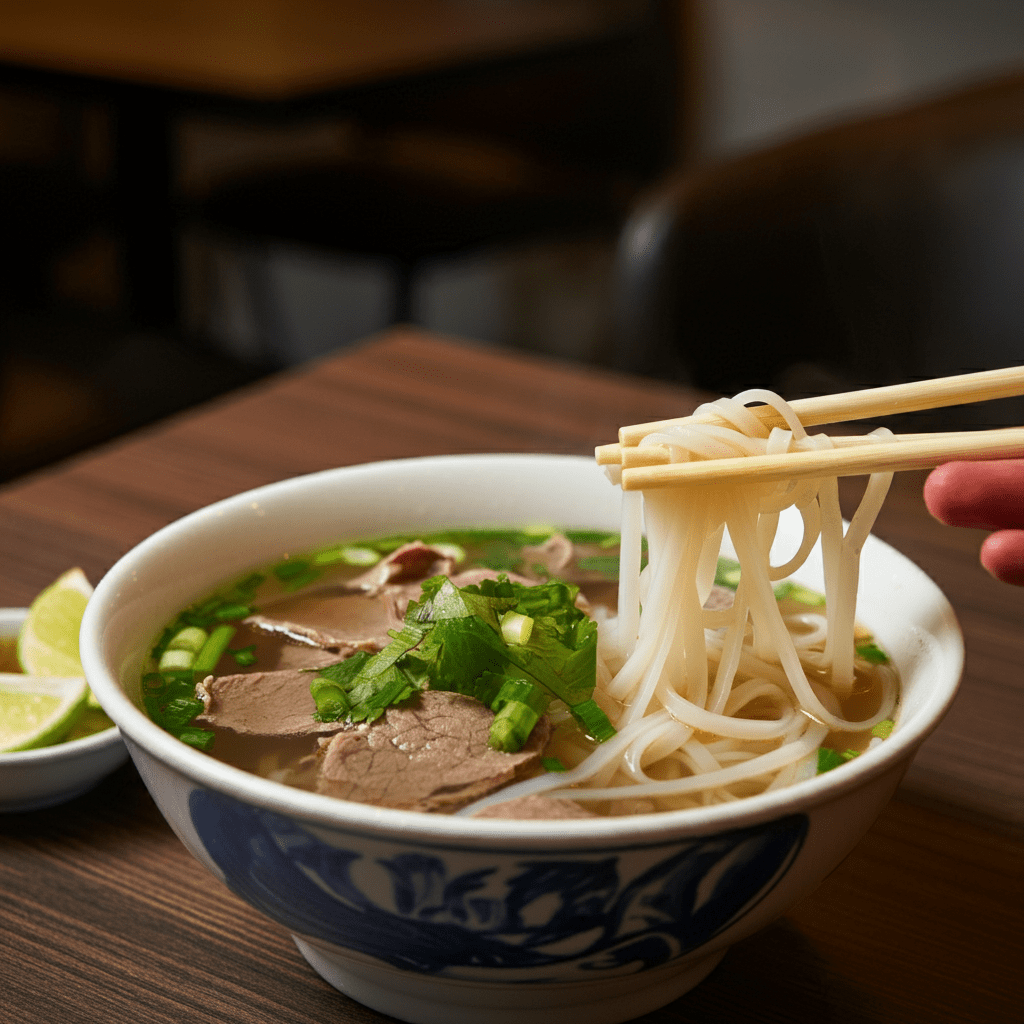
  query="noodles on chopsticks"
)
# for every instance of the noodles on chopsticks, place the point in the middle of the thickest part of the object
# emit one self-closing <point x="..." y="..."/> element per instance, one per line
<point x="714" y="701"/>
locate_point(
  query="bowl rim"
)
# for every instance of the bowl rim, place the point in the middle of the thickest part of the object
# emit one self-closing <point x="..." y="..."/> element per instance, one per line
<point x="69" y="749"/>
<point x="439" y="829"/>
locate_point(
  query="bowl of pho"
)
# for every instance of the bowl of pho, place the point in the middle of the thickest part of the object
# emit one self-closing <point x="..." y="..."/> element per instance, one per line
<point x="489" y="740"/>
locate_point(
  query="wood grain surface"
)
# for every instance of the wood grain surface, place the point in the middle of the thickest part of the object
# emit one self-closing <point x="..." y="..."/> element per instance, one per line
<point x="105" y="917"/>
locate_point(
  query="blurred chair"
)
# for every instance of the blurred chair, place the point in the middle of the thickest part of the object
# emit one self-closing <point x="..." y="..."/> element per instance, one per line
<point x="875" y="251"/>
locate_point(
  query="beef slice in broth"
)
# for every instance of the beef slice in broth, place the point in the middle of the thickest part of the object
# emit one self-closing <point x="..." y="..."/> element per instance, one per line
<point x="261" y="704"/>
<point x="535" y="807"/>
<point x="428" y="754"/>
<point x="410" y="562"/>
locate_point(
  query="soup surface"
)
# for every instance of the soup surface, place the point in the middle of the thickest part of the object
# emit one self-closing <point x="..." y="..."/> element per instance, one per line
<point x="316" y="671"/>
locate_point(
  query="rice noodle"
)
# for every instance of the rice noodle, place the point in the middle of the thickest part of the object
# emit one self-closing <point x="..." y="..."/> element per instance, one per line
<point x="709" y="705"/>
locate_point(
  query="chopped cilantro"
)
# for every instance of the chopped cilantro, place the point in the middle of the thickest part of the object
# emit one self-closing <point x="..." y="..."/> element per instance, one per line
<point x="452" y="640"/>
<point x="362" y="687"/>
<point x="170" y="701"/>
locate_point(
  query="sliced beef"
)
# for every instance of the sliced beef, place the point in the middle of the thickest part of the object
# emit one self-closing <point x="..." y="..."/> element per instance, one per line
<point x="720" y="598"/>
<point x="261" y="704"/>
<point x="313" y="636"/>
<point x="428" y="754"/>
<point x="335" y="623"/>
<point x="474" y="577"/>
<point x="410" y="563"/>
<point x="524" y="808"/>
<point x="554" y="555"/>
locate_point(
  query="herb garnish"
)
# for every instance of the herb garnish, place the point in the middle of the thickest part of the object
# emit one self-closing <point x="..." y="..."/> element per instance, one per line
<point x="453" y="640"/>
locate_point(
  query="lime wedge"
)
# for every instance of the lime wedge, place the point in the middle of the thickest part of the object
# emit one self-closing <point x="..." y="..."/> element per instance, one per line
<point x="35" y="712"/>
<point x="48" y="642"/>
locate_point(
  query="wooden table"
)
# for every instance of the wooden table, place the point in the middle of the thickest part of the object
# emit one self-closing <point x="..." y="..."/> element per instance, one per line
<point x="105" y="917"/>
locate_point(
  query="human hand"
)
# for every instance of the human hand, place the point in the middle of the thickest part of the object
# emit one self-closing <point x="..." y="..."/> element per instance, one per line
<point x="987" y="496"/>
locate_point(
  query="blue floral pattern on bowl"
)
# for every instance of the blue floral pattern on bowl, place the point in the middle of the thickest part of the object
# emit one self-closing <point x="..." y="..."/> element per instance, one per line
<point x="465" y="912"/>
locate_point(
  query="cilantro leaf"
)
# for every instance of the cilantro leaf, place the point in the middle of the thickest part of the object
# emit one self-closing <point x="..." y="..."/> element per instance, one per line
<point x="452" y="640"/>
<point x="363" y="686"/>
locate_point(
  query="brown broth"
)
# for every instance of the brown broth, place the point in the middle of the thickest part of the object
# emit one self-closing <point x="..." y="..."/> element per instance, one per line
<point x="325" y="604"/>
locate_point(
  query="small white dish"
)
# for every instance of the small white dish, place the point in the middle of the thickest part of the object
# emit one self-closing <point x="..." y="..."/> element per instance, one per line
<point x="32" y="779"/>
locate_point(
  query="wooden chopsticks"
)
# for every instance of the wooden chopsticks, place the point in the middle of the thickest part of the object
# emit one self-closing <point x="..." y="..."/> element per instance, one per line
<point x="904" y="452"/>
<point x="651" y="465"/>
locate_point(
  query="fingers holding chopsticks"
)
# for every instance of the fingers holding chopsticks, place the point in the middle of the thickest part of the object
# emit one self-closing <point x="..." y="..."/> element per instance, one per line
<point x="988" y="496"/>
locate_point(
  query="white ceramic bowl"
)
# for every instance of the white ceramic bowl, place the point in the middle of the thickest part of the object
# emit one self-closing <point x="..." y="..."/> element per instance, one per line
<point x="433" y="918"/>
<point x="32" y="779"/>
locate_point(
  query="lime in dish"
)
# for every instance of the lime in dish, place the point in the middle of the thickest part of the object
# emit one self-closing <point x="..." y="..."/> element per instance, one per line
<point x="44" y="698"/>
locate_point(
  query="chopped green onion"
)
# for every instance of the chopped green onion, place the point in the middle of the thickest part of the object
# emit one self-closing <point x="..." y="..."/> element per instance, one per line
<point x="592" y="720"/>
<point x="215" y="646"/>
<point x="521" y="691"/>
<point x="171" y="660"/>
<point x="829" y="758"/>
<point x="201" y="739"/>
<point x="289" y="569"/>
<point x="331" y="700"/>
<point x="884" y="729"/>
<point x="796" y="592"/>
<point x="228" y="612"/>
<point x="244" y="656"/>
<point x="872" y="653"/>
<point x="552" y="764"/>
<point x="191" y="639"/>
<point x="303" y="579"/>
<point x="511" y="727"/>
<point x="244" y="590"/>
<point x="603" y="538"/>
<point x="516" y="628"/>
<point x="348" y="554"/>
<point x="519" y="705"/>
<point x="728" y="573"/>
